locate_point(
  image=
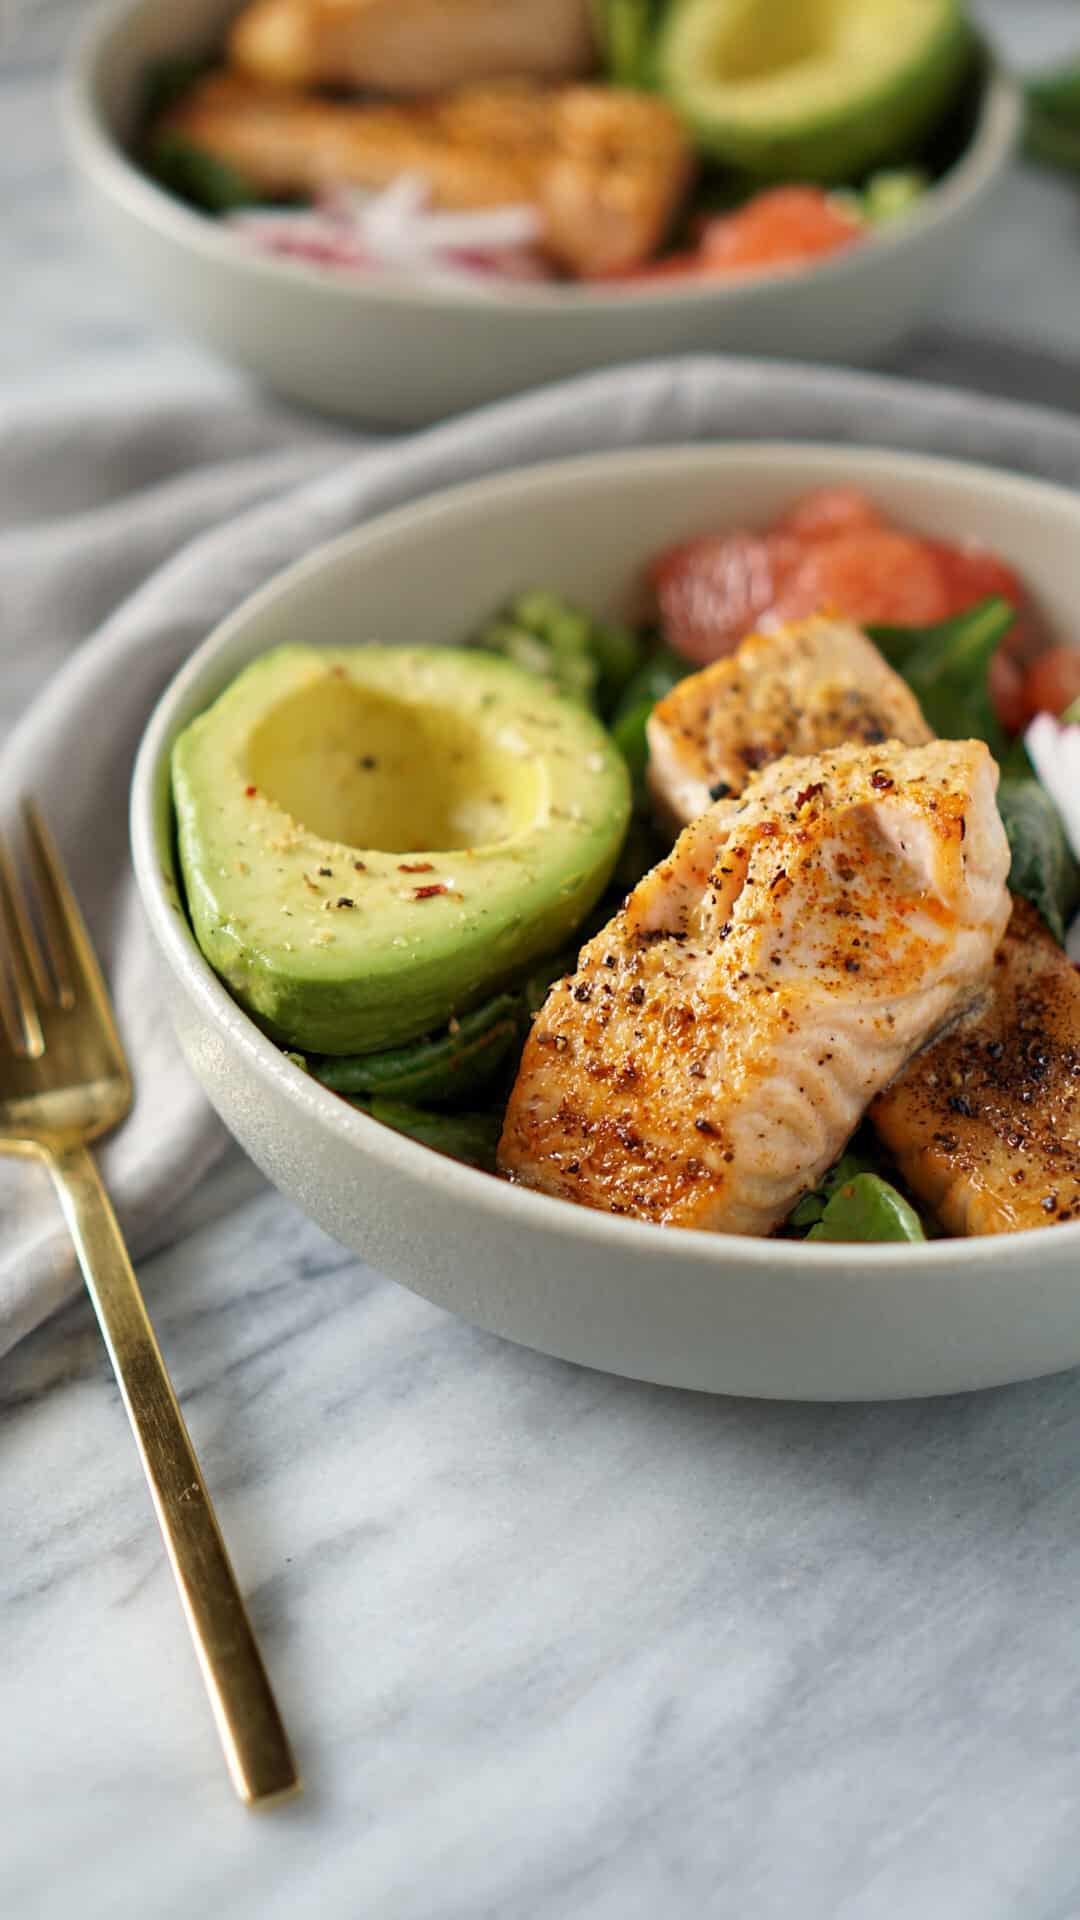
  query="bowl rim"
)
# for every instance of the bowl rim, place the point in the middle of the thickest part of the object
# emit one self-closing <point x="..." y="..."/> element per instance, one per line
<point x="98" y="154"/>
<point x="439" y="1176"/>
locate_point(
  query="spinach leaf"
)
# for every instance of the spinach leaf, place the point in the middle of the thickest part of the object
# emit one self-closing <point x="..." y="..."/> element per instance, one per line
<point x="662" y="670"/>
<point x="867" y="1208"/>
<point x="471" y="1137"/>
<point x="1043" y="868"/>
<point x="200" y="178"/>
<point x="1052" y="126"/>
<point x="1015" y="762"/>
<point x="946" y="667"/>
<point x="440" y="1068"/>
<point x="1058" y="92"/>
<point x="167" y="80"/>
<point x="627" y="32"/>
<point x="857" y="1159"/>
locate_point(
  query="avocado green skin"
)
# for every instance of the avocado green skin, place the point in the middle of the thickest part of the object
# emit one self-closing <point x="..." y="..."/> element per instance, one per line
<point x="873" y="128"/>
<point x="388" y="966"/>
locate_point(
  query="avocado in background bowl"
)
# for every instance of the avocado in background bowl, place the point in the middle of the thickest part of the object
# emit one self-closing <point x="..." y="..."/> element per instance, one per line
<point x="812" y="89"/>
<point x="372" y="839"/>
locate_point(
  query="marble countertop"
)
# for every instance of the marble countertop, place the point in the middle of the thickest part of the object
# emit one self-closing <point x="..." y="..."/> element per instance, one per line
<point x="553" y="1646"/>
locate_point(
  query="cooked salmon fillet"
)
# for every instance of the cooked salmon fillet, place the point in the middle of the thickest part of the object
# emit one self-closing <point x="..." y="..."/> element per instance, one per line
<point x="605" y="168"/>
<point x="722" y="1036"/>
<point x="985" y="1123"/>
<point x="810" y="685"/>
<point x="412" y="46"/>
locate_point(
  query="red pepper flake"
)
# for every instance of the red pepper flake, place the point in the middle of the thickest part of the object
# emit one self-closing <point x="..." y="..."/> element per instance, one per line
<point x="359" y="867"/>
<point x="880" y="781"/>
<point x="429" y="892"/>
<point x="250" y="792"/>
<point x="809" y="793"/>
<point x="415" y="866"/>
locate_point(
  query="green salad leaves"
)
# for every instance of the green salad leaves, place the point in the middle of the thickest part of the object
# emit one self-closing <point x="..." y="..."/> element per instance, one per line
<point x="1052" y="129"/>
<point x="867" y="1208"/>
<point x="1043" y="868"/>
<point x="197" y="177"/>
<point x="855" y="1201"/>
<point x="947" y="667"/>
<point x="627" y="30"/>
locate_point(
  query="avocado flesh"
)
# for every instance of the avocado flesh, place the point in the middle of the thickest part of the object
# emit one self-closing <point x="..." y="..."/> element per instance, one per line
<point x="818" y="90"/>
<point x="372" y="839"/>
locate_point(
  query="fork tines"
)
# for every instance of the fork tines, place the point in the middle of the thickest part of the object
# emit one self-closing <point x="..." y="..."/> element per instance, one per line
<point x="38" y="964"/>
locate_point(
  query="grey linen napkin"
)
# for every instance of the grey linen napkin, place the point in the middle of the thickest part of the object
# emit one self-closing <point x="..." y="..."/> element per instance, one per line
<point x="176" y="513"/>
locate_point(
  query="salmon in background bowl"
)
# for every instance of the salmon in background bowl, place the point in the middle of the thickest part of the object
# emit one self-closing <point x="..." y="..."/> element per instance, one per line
<point x="771" y="1317"/>
<point x="278" y="293"/>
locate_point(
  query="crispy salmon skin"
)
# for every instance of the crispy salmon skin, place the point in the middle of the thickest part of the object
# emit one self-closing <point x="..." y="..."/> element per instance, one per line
<point x="721" y="1037"/>
<point x="809" y="685"/>
<point x="985" y="1123"/>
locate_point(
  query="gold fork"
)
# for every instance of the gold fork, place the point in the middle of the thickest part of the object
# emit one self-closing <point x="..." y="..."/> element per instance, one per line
<point x="64" y="1082"/>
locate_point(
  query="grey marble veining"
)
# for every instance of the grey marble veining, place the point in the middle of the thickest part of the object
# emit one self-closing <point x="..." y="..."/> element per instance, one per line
<point x="553" y="1646"/>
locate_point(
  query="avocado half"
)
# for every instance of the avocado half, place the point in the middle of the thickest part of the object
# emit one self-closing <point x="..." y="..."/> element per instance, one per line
<point x="373" y="839"/>
<point x="811" y="90"/>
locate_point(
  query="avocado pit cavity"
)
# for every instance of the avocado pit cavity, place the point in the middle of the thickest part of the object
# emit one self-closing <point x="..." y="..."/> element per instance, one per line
<point x="377" y="773"/>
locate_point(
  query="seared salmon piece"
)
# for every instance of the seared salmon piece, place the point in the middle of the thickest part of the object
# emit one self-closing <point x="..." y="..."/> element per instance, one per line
<point x="813" y="684"/>
<point x="412" y="46"/>
<point x="605" y="168"/>
<point x="985" y="1123"/>
<point x="722" y="1036"/>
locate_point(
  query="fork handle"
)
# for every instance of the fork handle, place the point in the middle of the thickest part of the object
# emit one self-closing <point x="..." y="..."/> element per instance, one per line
<point x="248" y="1722"/>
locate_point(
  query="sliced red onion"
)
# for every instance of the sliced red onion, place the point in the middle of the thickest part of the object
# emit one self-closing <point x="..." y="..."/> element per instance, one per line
<point x="398" y="230"/>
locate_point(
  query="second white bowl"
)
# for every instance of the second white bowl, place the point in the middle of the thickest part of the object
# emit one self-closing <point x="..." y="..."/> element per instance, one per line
<point x="399" y="355"/>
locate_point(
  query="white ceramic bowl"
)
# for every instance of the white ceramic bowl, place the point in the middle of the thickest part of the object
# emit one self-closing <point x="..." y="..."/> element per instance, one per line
<point x="769" y="1318"/>
<point x="398" y="356"/>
